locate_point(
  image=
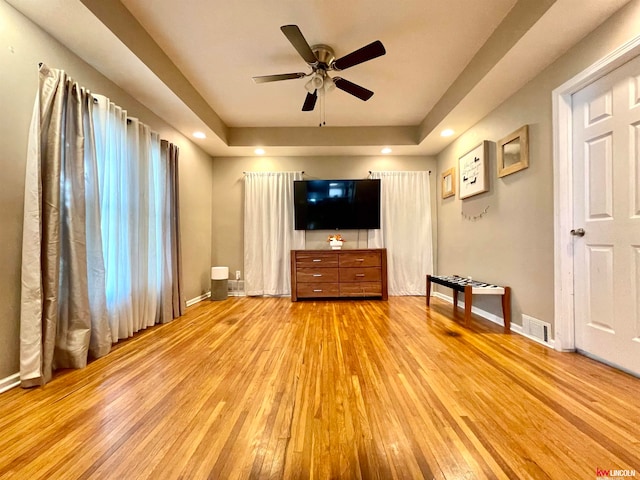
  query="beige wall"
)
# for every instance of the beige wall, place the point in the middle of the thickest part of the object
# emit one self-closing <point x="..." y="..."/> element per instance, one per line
<point x="23" y="46"/>
<point x="513" y="243"/>
<point x="227" y="239"/>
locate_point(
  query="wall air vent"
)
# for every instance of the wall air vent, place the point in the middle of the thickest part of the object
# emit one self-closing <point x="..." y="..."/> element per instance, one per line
<point x="236" y="288"/>
<point x="536" y="329"/>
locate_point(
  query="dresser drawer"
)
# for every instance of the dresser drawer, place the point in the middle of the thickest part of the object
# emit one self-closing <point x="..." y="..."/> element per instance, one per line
<point x="360" y="274"/>
<point x="361" y="289"/>
<point x="317" y="259"/>
<point x="318" y="290"/>
<point x="318" y="275"/>
<point x="360" y="259"/>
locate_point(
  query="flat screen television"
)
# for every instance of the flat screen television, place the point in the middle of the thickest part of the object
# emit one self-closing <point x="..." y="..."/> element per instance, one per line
<point x="336" y="204"/>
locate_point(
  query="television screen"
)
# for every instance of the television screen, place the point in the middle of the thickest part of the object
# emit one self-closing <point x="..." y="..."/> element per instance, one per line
<point x="336" y="204"/>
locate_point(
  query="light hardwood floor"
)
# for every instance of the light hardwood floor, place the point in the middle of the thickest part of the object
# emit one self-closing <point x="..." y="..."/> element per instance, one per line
<point x="267" y="388"/>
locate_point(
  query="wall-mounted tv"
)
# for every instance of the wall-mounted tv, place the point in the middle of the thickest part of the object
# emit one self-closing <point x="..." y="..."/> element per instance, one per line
<point x="336" y="204"/>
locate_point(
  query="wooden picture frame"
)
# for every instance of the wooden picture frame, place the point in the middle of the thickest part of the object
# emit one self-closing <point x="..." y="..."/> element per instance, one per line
<point x="513" y="152"/>
<point x="473" y="171"/>
<point x="448" y="182"/>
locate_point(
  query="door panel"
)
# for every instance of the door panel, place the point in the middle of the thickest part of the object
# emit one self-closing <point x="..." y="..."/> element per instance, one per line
<point x="635" y="168"/>
<point x="599" y="190"/>
<point x="636" y="293"/>
<point x="635" y="91"/>
<point x="599" y="108"/>
<point x="600" y="289"/>
<point x="606" y="192"/>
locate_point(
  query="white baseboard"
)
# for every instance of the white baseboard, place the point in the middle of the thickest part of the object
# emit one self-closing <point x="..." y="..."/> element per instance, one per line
<point x="9" y="382"/>
<point x="202" y="297"/>
<point x="494" y="318"/>
<point x="518" y="329"/>
<point x="206" y="295"/>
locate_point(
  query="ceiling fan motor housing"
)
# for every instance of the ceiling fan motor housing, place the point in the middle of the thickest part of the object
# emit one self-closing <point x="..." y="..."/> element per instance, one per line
<point x="325" y="56"/>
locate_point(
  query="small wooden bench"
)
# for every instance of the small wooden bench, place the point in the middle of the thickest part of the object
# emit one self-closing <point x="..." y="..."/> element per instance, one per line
<point x="469" y="288"/>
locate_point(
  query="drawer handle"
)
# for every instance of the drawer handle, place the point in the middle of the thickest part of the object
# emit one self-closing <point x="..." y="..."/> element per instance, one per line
<point x="359" y="259"/>
<point x="317" y="259"/>
<point x="359" y="274"/>
<point x="317" y="274"/>
<point x="317" y="289"/>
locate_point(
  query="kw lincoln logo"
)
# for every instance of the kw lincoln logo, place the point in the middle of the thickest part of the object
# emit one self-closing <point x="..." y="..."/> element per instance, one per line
<point x="602" y="474"/>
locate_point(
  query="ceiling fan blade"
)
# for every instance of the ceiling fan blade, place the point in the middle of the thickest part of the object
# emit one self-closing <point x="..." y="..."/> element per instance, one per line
<point x="294" y="35"/>
<point x="310" y="101"/>
<point x="364" y="54"/>
<point x="276" y="78"/>
<point x="350" y="87"/>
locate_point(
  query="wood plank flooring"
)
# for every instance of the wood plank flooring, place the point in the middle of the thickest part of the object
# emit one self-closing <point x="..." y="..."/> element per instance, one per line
<point x="267" y="388"/>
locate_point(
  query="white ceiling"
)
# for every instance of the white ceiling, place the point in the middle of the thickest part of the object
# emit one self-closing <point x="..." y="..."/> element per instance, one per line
<point x="426" y="51"/>
<point x="442" y="59"/>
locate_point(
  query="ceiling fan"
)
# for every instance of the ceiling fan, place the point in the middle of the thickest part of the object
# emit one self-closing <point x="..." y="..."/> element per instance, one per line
<point x="321" y="59"/>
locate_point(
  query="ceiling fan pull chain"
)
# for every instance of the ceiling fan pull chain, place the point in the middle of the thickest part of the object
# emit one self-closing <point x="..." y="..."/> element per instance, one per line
<point x="321" y="108"/>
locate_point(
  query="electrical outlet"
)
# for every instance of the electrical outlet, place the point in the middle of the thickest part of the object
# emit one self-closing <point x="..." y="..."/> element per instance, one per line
<point x="237" y="274"/>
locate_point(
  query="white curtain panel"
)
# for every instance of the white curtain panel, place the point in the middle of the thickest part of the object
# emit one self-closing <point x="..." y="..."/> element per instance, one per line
<point x="269" y="233"/>
<point x="133" y="189"/>
<point x="111" y="147"/>
<point x="405" y="230"/>
<point x="145" y="224"/>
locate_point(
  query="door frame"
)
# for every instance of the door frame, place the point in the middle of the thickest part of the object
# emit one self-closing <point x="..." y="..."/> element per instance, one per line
<point x="564" y="314"/>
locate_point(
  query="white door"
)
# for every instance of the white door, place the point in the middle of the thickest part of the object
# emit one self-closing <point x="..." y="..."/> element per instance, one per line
<point x="606" y="153"/>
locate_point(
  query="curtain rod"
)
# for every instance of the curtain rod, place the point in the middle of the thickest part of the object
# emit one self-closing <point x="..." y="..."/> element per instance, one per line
<point x="244" y="173"/>
<point x="95" y="100"/>
<point x="370" y="172"/>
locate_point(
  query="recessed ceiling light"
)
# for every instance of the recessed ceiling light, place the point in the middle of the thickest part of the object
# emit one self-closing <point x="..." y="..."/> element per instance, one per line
<point x="259" y="151"/>
<point x="199" y="135"/>
<point x="386" y="150"/>
<point x="447" y="133"/>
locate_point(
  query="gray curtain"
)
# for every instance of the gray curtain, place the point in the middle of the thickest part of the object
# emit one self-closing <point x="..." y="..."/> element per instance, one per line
<point x="63" y="313"/>
<point x="173" y="301"/>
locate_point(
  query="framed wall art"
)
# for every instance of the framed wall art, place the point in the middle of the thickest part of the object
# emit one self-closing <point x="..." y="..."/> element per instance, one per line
<point x="473" y="172"/>
<point x="513" y="152"/>
<point x="448" y="182"/>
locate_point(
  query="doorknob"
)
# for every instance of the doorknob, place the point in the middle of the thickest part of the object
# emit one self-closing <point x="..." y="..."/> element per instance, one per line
<point x="579" y="232"/>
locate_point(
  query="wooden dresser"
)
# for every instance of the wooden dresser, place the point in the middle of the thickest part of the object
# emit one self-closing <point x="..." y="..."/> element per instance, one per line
<point x="339" y="273"/>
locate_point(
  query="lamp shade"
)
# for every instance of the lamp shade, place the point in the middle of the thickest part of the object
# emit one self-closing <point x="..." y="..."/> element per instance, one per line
<point x="315" y="83"/>
<point x="329" y="86"/>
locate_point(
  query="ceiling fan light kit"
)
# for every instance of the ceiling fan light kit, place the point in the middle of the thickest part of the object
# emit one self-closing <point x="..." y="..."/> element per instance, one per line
<point x="321" y="59"/>
<point x="315" y="83"/>
<point x="329" y="86"/>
